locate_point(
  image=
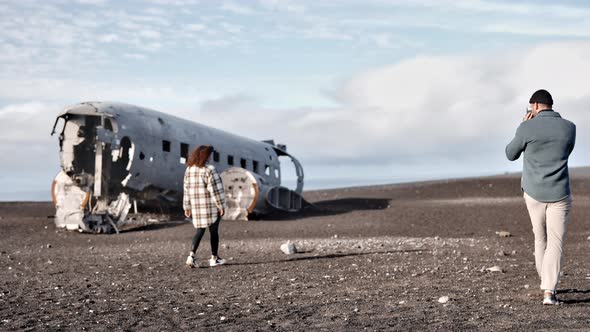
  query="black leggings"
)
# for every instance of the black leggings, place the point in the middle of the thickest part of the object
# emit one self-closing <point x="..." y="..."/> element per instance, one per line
<point x="214" y="234"/>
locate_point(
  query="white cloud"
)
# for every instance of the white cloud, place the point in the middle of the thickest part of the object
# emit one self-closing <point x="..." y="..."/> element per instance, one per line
<point x="109" y="38"/>
<point x="283" y="5"/>
<point x="543" y="29"/>
<point x="431" y="110"/>
<point x="236" y="8"/>
<point x="71" y="90"/>
<point x="30" y="156"/>
<point x="135" y="56"/>
<point x="231" y="28"/>
<point x="485" y="6"/>
<point x="384" y="40"/>
<point x="174" y="2"/>
<point x="195" y="27"/>
<point x="92" y="2"/>
<point x="150" y="34"/>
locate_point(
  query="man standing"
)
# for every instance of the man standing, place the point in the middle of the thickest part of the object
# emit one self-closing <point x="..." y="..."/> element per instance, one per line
<point x="547" y="141"/>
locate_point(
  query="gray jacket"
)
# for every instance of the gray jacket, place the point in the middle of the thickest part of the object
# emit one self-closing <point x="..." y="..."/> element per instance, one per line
<point x="547" y="141"/>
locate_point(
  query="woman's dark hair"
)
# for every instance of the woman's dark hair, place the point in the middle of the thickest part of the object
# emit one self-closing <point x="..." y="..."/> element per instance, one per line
<point x="199" y="156"/>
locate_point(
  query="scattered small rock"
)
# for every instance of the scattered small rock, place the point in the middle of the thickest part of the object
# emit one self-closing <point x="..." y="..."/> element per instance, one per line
<point x="526" y="286"/>
<point x="443" y="299"/>
<point x="288" y="248"/>
<point x="503" y="234"/>
<point x="495" y="268"/>
<point x="222" y="318"/>
<point x="48" y="245"/>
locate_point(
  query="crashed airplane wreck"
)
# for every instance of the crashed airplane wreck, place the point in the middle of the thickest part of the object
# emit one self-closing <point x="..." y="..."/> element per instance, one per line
<point x="116" y="156"/>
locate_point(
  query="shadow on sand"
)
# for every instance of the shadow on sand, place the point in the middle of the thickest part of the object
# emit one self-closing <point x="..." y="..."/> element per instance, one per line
<point x="329" y="208"/>
<point x="317" y="209"/>
<point x="151" y="226"/>
<point x="328" y="256"/>
<point x="574" y="291"/>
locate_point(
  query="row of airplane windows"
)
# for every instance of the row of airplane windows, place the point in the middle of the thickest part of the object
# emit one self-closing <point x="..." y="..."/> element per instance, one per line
<point x="184" y="148"/>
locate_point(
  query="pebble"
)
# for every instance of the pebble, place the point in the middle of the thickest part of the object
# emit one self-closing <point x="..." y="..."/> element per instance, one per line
<point x="443" y="299"/>
<point x="503" y="234"/>
<point x="222" y="318"/>
<point x="527" y="286"/>
<point x="495" y="268"/>
<point x="288" y="248"/>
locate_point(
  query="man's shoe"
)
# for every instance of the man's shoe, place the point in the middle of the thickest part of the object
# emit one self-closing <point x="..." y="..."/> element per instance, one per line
<point x="214" y="261"/>
<point x="549" y="298"/>
<point x="191" y="262"/>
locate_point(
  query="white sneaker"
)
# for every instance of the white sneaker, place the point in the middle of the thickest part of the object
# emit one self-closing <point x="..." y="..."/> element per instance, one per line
<point x="549" y="298"/>
<point x="214" y="261"/>
<point x="190" y="261"/>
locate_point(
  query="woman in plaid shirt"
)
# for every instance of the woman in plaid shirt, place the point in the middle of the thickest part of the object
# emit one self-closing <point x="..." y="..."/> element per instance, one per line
<point x="204" y="200"/>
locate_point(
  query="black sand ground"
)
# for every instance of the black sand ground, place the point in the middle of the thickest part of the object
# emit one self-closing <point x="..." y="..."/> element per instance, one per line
<point x="374" y="258"/>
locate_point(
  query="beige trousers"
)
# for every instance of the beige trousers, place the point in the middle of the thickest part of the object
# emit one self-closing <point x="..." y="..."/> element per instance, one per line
<point x="549" y="221"/>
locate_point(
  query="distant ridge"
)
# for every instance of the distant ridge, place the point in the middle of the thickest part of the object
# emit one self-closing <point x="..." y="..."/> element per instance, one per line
<point x="580" y="171"/>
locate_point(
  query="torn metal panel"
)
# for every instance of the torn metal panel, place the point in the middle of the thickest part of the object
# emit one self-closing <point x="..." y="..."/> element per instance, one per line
<point x="70" y="202"/>
<point x="98" y="171"/>
<point x="241" y="193"/>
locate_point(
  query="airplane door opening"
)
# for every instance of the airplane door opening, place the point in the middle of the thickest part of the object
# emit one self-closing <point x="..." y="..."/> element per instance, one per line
<point x="288" y="173"/>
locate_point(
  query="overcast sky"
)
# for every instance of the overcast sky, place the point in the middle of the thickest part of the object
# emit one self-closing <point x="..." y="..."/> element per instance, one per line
<point x="360" y="91"/>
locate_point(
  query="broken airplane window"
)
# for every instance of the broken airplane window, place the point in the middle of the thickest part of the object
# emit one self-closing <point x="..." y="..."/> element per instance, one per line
<point x="166" y="146"/>
<point x="216" y="156"/>
<point x="183" y="153"/>
<point x="255" y="166"/>
<point x="230" y="160"/>
<point x="267" y="170"/>
<point x="243" y="163"/>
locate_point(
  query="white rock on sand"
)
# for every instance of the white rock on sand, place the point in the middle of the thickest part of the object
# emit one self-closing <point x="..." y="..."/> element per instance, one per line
<point x="288" y="248"/>
<point x="443" y="299"/>
<point x="495" y="268"/>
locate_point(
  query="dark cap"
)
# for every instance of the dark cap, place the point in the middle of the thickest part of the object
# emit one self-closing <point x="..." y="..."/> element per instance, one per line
<point x="542" y="97"/>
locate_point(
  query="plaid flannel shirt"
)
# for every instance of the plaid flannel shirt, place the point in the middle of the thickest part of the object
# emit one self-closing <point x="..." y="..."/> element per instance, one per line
<point x="203" y="195"/>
